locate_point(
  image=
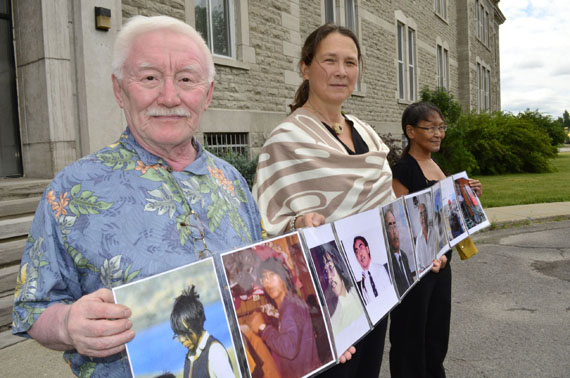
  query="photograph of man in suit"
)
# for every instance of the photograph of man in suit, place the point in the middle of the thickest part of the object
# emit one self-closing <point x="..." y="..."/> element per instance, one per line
<point x="375" y="277"/>
<point x="402" y="273"/>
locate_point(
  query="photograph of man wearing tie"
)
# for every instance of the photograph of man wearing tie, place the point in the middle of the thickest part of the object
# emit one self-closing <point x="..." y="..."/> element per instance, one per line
<point x="400" y="264"/>
<point x="375" y="277"/>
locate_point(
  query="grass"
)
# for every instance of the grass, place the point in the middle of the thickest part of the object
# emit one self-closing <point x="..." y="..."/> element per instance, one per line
<point x="526" y="188"/>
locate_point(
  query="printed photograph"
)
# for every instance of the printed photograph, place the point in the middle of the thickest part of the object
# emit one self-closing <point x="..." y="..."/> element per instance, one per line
<point x="399" y="246"/>
<point x="471" y="208"/>
<point x="453" y="219"/>
<point x="364" y="246"/>
<point x="419" y="207"/>
<point x="347" y="316"/>
<point x="281" y="319"/>
<point x="180" y="324"/>
<point x="443" y="243"/>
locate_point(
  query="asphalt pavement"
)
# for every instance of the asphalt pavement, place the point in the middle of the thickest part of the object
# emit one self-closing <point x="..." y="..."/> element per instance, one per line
<point x="510" y="311"/>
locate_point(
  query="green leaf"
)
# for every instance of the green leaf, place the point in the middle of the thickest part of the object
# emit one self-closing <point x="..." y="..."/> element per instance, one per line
<point x="75" y="189"/>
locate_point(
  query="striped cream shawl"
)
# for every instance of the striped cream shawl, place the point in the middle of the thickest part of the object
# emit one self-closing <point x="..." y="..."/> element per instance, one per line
<point x="303" y="168"/>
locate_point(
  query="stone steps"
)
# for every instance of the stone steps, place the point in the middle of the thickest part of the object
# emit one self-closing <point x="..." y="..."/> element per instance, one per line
<point x="19" y="199"/>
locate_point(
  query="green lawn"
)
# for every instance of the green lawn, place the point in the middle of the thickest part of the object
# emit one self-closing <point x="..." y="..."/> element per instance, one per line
<point x="524" y="188"/>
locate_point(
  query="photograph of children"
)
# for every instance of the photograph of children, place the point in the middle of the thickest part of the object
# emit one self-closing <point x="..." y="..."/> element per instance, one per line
<point x="421" y="217"/>
<point x="455" y="228"/>
<point x="473" y="214"/>
<point x="399" y="246"/>
<point x="443" y="245"/>
<point x="347" y="316"/>
<point x="180" y="323"/>
<point x="281" y="319"/>
<point x="364" y="246"/>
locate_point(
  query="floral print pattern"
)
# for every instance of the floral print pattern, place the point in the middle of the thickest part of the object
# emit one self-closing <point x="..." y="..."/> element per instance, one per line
<point x="120" y="215"/>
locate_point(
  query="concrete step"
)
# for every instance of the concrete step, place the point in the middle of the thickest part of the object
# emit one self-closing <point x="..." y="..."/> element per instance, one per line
<point x="15" y="226"/>
<point x="6" y="306"/>
<point x="8" y="278"/>
<point x="18" y="206"/>
<point x="14" y="188"/>
<point x="11" y="251"/>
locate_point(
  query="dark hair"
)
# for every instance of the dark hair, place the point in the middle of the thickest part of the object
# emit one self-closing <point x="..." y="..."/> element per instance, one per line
<point x="362" y="239"/>
<point x="414" y="113"/>
<point x="338" y="265"/>
<point x="277" y="266"/>
<point x="187" y="310"/>
<point x="308" y="53"/>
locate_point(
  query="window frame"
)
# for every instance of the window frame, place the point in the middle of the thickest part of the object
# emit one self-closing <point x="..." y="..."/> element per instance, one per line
<point x="242" y="52"/>
<point x="440" y="8"/>
<point x="442" y="66"/>
<point x="406" y="59"/>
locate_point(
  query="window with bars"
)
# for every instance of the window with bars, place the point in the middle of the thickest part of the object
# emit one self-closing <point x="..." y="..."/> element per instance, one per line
<point x="220" y="143"/>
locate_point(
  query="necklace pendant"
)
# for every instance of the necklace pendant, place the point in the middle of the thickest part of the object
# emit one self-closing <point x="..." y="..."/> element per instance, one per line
<point x="338" y="128"/>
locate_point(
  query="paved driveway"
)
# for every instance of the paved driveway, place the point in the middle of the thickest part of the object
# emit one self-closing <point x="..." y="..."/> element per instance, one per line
<point x="511" y="305"/>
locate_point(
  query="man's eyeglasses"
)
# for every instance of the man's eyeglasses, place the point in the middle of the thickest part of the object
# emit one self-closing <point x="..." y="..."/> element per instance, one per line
<point x="199" y="230"/>
<point x="431" y="130"/>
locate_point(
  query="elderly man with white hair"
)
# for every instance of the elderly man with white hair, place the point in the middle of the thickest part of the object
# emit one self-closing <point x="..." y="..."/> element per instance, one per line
<point x="151" y="202"/>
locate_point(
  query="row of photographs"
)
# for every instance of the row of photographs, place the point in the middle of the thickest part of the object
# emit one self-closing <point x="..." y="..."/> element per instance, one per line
<point x="298" y="301"/>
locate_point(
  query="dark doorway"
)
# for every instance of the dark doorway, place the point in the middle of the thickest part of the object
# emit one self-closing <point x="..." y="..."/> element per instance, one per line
<point x="10" y="153"/>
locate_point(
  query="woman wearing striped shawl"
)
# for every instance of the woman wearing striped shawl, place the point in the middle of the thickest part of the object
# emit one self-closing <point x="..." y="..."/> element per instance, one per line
<point x="320" y="165"/>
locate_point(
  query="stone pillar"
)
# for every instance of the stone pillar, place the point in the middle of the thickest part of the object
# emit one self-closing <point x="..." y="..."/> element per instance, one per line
<point x="100" y="120"/>
<point x="45" y="77"/>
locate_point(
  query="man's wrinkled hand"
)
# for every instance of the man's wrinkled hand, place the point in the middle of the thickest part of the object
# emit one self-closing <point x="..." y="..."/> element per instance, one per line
<point x="97" y="327"/>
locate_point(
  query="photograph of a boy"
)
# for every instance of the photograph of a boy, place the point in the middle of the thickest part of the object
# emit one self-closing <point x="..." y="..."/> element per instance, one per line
<point x="281" y="321"/>
<point x="180" y="319"/>
<point x="206" y="356"/>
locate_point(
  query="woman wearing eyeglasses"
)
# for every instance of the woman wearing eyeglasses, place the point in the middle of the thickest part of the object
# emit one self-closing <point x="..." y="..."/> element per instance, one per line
<point x="419" y="325"/>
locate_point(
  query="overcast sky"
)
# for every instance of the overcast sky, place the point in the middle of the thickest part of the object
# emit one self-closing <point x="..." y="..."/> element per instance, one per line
<point x="535" y="56"/>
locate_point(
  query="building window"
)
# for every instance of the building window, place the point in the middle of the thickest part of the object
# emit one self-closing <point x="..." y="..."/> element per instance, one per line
<point x="441" y="8"/>
<point x="330" y="12"/>
<point x="412" y="63"/>
<point x="406" y="63"/>
<point x="401" y="61"/>
<point x="442" y="67"/>
<point x="483" y="88"/>
<point x="220" y="143"/>
<point x="481" y="23"/>
<point x="344" y="14"/>
<point x="350" y="15"/>
<point x="214" y="20"/>
<point x="486" y="29"/>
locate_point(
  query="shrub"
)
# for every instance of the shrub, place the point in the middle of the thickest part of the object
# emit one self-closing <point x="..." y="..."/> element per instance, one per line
<point x="554" y="128"/>
<point x="241" y="162"/>
<point x="395" y="148"/>
<point x="503" y="143"/>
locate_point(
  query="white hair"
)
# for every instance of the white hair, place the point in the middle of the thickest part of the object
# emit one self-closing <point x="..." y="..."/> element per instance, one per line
<point x="139" y="25"/>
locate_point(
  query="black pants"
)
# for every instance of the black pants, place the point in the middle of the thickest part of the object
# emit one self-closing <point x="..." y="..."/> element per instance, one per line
<point x="367" y="360"/>
<point x="419" y="328"/>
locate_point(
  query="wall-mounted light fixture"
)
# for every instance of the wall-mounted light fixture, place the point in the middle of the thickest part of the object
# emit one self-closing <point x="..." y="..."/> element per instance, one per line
<point x="102" y="18"/>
